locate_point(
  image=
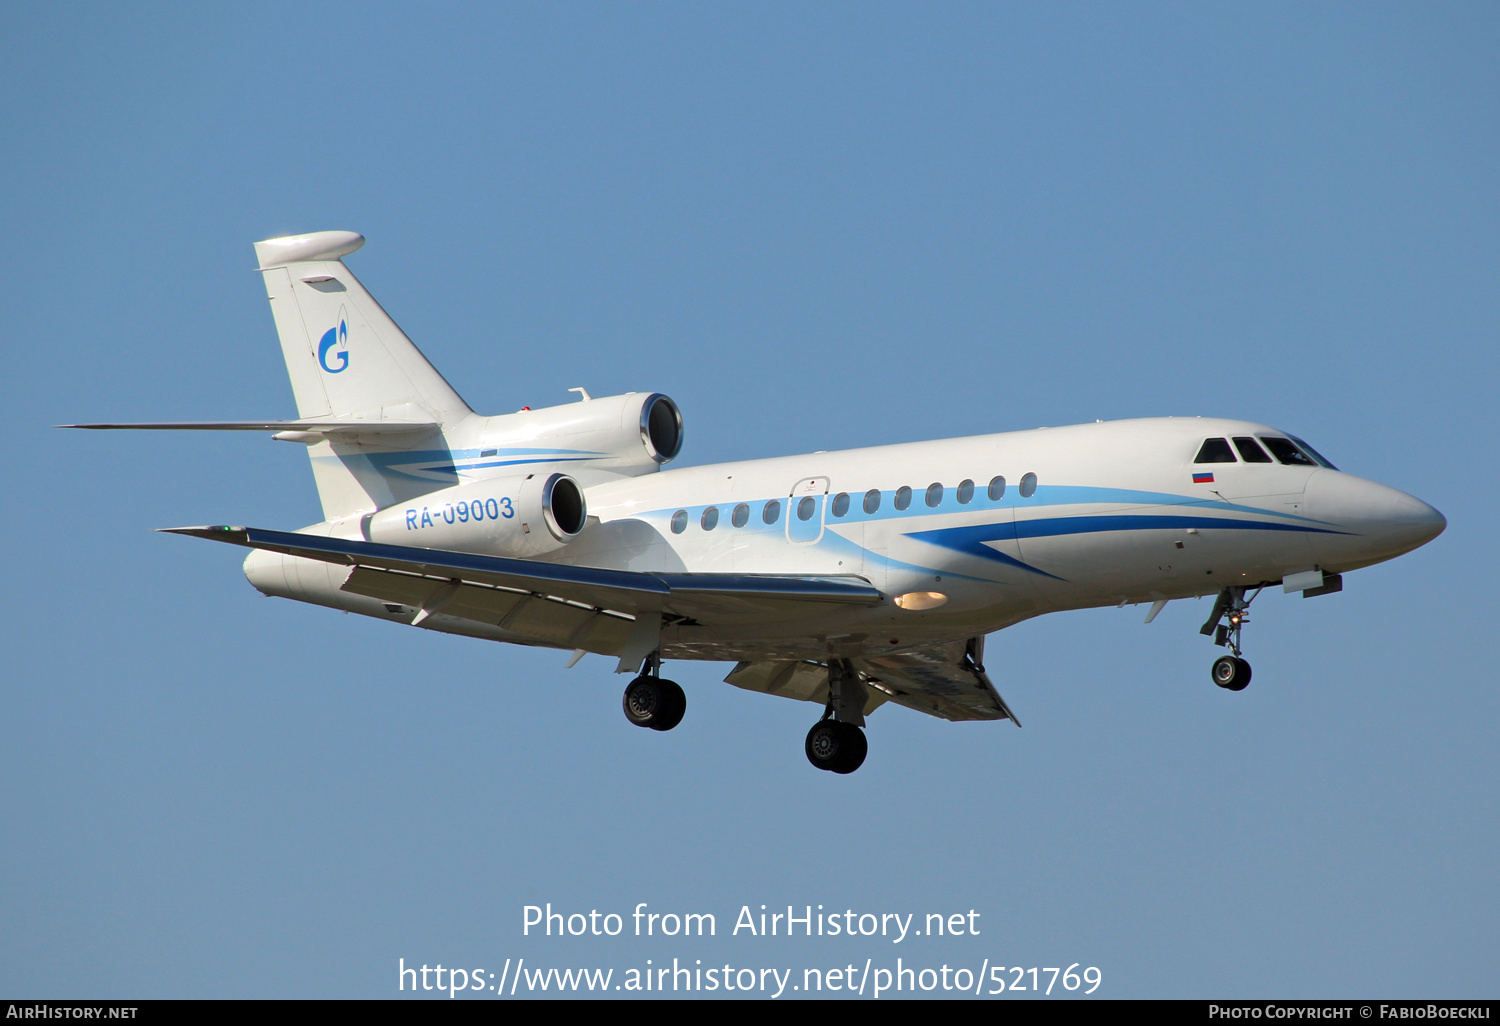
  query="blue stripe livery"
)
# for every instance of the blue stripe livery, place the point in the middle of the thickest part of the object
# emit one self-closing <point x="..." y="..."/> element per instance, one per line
<point x="972" y="540"/>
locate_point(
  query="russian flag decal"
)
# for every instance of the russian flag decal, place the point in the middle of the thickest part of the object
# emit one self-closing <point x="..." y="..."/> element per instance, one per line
<point x="1203" y="479"/>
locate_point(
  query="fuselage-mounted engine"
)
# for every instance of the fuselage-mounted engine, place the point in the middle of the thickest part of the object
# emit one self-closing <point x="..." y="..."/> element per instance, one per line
<point x="523" y="516"/>
<point x="528" y="515"/>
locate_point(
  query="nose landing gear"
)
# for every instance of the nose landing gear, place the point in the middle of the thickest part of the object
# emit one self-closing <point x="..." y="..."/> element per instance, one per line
<point x="1231" y="672"/>
<point x="652" y="701"/>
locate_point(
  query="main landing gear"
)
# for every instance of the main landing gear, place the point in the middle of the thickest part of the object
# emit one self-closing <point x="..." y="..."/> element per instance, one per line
<point x="835" y="742"/>
<point x="1230" y="672"/>
<point x="652" y="701"/>
<point x="837" y="747"/>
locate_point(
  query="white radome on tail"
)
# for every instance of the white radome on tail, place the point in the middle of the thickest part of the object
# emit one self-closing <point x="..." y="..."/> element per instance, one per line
<point x="847" y="579"/>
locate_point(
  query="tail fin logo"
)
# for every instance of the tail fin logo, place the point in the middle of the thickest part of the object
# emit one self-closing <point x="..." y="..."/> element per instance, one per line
<point x="335" y="343"/>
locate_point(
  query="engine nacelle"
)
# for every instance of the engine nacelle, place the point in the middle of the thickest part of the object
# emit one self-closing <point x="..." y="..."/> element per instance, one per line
<point x="630" y="434"/>
<point x="523" y="516"/>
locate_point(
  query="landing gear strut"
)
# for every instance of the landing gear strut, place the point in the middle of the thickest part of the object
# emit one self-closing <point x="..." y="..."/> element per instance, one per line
<point x="1230" y="672"/>
<point x="652" y="701"/>
<point x="835" y="743"/>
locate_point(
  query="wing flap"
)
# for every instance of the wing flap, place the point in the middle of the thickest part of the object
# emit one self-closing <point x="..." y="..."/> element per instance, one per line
<point x="542" y="621"/>
<point x="803" y="681"/>
<point x="940" y="681"/>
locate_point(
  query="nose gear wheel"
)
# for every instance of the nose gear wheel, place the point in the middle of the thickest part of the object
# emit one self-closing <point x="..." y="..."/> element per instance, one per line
<point x="1231" y="673"/>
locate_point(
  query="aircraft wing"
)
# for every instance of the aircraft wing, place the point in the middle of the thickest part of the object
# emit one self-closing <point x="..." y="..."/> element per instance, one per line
<point x="319" y="427"/>
<point x="554" y="603"/>
<point x="942" y="681"/>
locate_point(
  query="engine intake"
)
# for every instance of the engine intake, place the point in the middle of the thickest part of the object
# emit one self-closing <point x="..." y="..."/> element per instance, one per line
<point x="661" y="427"/>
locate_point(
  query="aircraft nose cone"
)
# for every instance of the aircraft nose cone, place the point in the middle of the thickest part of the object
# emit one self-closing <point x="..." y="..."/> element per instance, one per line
<point x="1419" y="520"/>
<point x="1391" y="521"/>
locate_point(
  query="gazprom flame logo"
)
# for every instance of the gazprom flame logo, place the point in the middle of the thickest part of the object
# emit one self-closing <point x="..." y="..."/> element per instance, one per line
<point x="335" y="345"/>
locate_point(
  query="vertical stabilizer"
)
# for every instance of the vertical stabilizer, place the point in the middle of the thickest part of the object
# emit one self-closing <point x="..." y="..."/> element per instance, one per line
<point x="346" y="357"/>
<point x="348" y="360"/>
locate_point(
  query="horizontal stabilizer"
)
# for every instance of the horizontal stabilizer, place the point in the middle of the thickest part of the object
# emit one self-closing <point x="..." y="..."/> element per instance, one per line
<point x="321" y="427"/>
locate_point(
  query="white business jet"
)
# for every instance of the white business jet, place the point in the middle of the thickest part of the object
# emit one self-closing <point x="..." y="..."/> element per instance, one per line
<point x="845" y="579"/>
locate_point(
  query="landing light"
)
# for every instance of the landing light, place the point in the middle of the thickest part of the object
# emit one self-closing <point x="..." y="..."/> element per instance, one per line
<point x="917" y="600"/>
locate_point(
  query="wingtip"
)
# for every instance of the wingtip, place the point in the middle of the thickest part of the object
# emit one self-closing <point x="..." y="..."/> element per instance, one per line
<point x="207" y="531"/>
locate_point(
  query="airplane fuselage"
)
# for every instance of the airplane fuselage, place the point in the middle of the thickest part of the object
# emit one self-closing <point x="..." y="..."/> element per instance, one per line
<point x="981" y="532"/>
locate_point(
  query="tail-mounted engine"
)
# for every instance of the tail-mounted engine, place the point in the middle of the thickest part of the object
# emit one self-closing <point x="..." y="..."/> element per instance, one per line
<point x="619" y="434"/>
<point x="523" y="516"/>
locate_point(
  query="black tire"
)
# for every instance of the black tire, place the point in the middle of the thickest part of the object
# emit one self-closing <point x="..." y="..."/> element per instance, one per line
<point x="1231" y="673"/>
<point x="674" y="707"/>
<point x="836" y="747"/>
<point x="645" y="701"/>
<point x="856" y="747"/>
<point x="1243" y="681"/>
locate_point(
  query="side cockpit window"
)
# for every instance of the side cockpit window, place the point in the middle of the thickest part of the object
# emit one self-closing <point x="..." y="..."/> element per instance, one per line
<point x="1286" y="452"/>
<point x="1249" y="451"/>
<point x="1215" y="450"/>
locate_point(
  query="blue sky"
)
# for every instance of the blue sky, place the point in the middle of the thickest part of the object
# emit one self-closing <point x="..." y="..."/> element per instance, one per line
<point x="814" y="226"/>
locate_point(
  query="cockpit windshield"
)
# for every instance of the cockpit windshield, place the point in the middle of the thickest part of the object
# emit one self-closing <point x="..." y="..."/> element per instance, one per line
<point x="1315" y="454"/>
<point x="1289" y="451"/>
<point x="1286" y="452"/>
<point x="1249" y="451"/>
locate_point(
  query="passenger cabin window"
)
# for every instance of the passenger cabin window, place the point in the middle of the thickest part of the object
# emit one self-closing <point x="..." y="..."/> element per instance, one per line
<point x="710" y="518"/>
<point x="679" y="521"/>
<point x="1028" y="486"/>
<point x="772" y="512"/>
<point x="903" y="497"/>
<point x="997" y="488"/>
<point x="741" y="515"/>
<point x="806" y="507"/>
<point x="1215" y="450"/>
<point x="934" y="494"/>
<point x="841" y="504"/>
<point x="1249" y="451"/>
<point x="1286" y="452"/>
<point x="965" y="492"/>
<point x="872" y="500"/>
